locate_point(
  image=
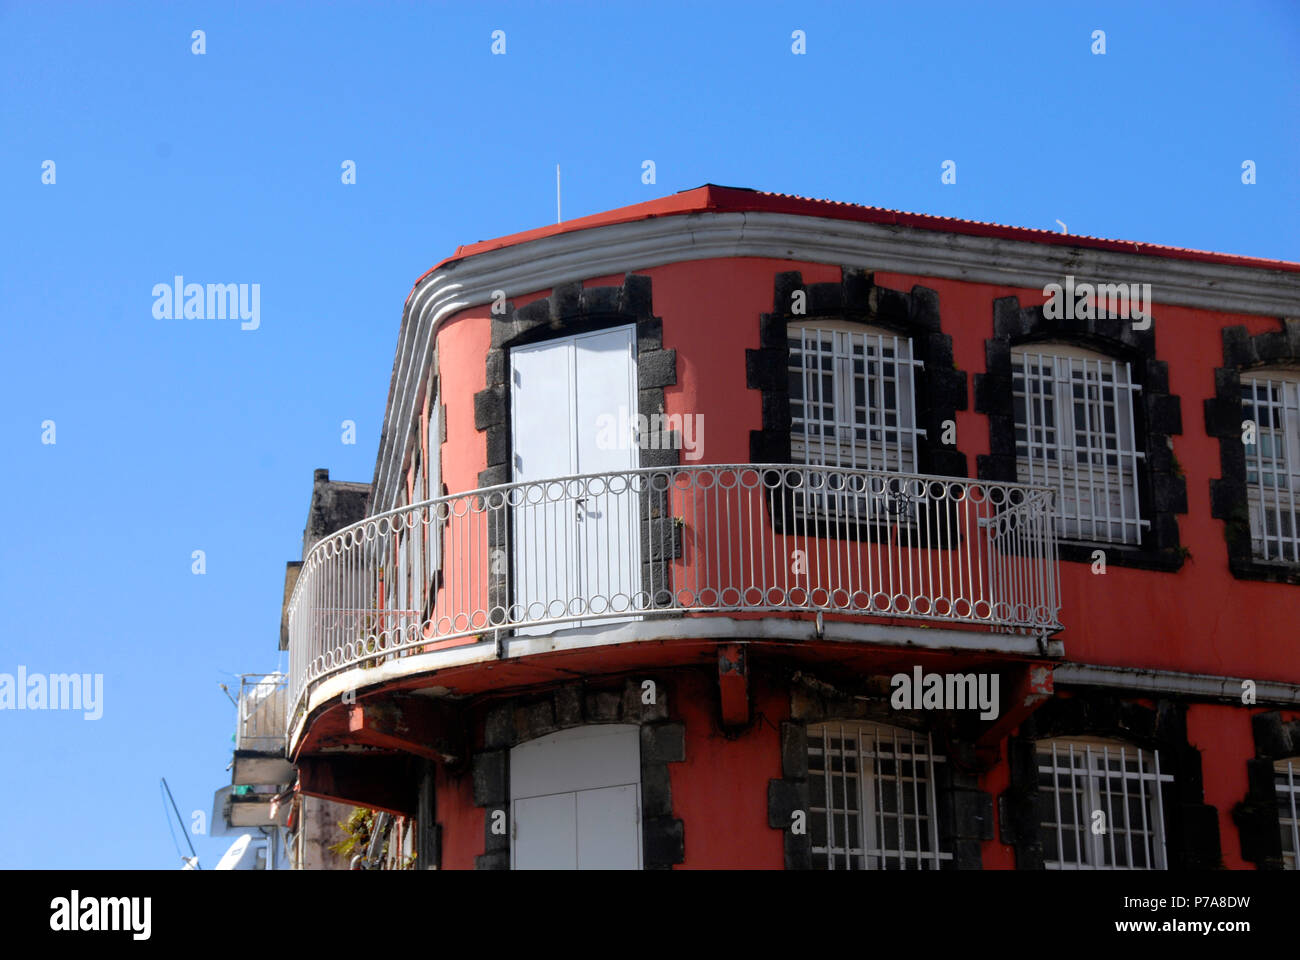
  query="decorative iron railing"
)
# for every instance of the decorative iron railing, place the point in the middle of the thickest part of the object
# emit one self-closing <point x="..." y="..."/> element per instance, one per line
<point x="527" y="557"/>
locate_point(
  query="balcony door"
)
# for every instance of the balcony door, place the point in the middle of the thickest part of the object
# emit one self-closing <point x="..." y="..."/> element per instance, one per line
<point x="576" y="541"/>
<point x="575" y="800"/>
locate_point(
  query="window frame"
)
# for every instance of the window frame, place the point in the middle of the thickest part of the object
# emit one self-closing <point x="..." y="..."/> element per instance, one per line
<point x="870" y="853"/>
<point x="1091" y="848"/>
<point x="1245" y="356"/>
<point x="1125" y="478"/>
<point x="1258" y="491"/>
<point x="940" y="389"/>
<point x="1286" y="784"/>
<point x="1162" y="487"/>
<point x="433" y="480"/>
<point x="904" y="449"/>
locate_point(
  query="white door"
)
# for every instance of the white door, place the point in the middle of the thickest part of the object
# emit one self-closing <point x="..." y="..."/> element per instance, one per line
<point x="576" y="545"/>
<point x="575" y="800"/>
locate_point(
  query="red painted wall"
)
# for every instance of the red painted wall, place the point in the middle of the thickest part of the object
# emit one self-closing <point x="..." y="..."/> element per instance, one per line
<point x="1200" y="619"/>
<point x="720" y="790"/>
<point x="463" y="824"/>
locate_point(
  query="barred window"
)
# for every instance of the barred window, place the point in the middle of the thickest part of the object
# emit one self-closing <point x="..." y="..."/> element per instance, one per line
<point x="1286" y="775"/>
<point x="1272" y="402"/>
<point x="1101" y="805"/>
<point x="872" y="798"/>
<point x="852" y="397"/>
<point x="434" y="447"/>
<point x="419" y="535"/>
<point x="1075" y="433"/>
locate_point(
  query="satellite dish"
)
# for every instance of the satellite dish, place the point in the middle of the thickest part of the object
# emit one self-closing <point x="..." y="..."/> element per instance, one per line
<point x="242" y="855"/>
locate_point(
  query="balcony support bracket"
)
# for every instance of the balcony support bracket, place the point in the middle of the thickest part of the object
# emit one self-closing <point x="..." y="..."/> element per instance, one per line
<point x="424" y="727"/>
<point x="733" y="684"/>
<point x="1031" y="685"/>
<point x="380" y="783"/>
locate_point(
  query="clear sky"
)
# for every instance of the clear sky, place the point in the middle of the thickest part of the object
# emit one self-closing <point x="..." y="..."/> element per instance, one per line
<point x="179" y="435"/>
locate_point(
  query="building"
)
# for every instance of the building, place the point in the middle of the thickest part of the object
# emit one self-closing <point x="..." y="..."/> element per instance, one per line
<point x="254" y="808"/>
<point x="744" y="530"/>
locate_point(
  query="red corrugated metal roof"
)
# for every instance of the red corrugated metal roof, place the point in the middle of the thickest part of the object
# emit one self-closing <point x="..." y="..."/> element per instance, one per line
<point x="711" y="197"/>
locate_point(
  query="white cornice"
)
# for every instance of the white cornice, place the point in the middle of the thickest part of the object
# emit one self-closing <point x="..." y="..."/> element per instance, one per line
<point x="618" y="248"/>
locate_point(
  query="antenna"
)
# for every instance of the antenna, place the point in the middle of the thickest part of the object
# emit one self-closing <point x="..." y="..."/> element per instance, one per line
<point x="557" y="193"/>
<point x="226" y="691"/>
<point x="193" y="858"/>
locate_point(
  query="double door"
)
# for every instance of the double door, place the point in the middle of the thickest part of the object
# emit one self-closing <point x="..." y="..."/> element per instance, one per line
<point x="576" y="539"/>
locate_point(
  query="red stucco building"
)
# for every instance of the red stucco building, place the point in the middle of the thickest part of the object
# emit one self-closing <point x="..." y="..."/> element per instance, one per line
<point x="743" y="530"/>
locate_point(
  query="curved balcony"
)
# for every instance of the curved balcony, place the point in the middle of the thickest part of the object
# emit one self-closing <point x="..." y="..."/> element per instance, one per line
<point x="674" y="541"/>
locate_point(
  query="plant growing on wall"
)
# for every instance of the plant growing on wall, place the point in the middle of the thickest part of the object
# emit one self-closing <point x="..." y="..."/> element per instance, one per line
<point x="356" y="831"/>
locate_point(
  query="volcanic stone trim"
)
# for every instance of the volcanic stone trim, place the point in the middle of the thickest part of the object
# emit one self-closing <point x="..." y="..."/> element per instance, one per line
<point x="1191" y="825"/>
<point x="1223" y="419"/>
<point x="965" y="813"/>
<point x="1256" y="816"/>
<point x="1162" y="490"/>
<point x="940" y="387"/>
<point x="508" y="723"/>
<point x="571" y="309"/>
<point x="428" y="837"/>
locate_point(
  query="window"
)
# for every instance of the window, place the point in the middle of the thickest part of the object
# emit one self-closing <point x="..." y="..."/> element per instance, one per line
<point x="437" y="518"/>
<point x="1272" y="402"/>
<point x="1100" y="805"/>
<point x="852" y="397"/>
<point x="872" y="798"/>
<point x="399" y="589"/>
<point x="419" y="534"/>
<point x="1286" y="779"/>
<point x="1075" y="433"/>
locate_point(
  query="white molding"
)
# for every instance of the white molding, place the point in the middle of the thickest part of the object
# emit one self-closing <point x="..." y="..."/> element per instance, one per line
<point x="639" y="245"/>
<point x="722" y="629"/>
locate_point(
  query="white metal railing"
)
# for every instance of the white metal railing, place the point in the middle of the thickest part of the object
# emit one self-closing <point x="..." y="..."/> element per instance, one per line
<point x="263" y="700"/>
<point x="675" y="540"/>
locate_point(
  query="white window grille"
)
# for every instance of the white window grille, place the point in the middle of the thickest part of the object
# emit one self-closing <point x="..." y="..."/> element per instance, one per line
<point x="1272" y="402"/>
<point x="1286" y="774"/>
<point x="1075" y="433"/>
<point x="419" y="535"/>
<point x="1101" y="805"/>
<point x="401" y="568"/>
<point x="852" y="397"/>
<point x="872" y="798"/>
<point x="434" y="442"/>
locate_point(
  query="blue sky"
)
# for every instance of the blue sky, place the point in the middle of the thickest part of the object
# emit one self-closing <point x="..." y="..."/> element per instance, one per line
<point x="181" y="435"/>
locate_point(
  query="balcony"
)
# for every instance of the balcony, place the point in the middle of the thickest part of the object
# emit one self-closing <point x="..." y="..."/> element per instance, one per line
<point x="681" y="541"/>
<point x="260" y="731"/>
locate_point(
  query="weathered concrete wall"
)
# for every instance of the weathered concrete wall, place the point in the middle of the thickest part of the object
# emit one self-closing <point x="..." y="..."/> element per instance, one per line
<point x="318" y="831"/>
